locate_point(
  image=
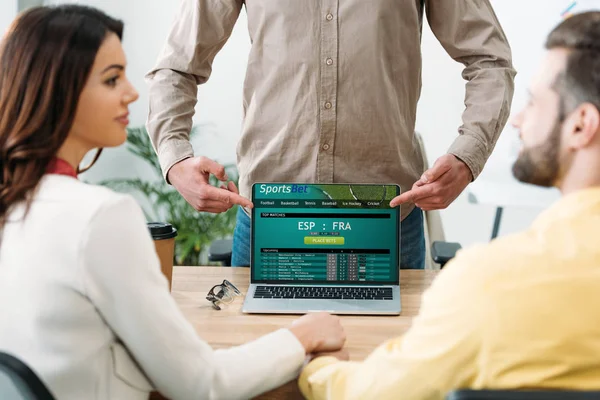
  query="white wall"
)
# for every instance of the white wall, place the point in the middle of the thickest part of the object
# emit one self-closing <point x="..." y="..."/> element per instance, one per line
<point x="219" y="111"/>
<point x="443" y="97"/>
<point x="8" y="11"/>
<point x="526" y="24"/>
<point x="220" y="102"/>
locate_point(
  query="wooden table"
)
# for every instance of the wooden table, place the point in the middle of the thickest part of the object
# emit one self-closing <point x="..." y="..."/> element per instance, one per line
<point x="230" y="327"/>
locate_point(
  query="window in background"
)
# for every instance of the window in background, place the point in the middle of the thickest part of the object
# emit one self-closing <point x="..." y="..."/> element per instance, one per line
<point x="8" y="11"/>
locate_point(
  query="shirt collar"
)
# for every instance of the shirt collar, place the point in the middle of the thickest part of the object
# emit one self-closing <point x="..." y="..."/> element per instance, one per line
<point x="61" y="167"/>
<point x="584" y="201"/>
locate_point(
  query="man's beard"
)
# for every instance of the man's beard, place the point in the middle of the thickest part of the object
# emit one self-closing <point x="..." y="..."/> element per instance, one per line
<point x="540" y="165"/>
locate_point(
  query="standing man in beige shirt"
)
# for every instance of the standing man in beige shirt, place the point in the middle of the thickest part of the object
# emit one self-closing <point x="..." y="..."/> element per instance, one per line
<point x="330" y="95"/>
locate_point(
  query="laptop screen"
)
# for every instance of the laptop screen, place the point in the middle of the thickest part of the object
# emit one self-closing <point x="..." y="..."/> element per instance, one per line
<point x="325" y="233"/>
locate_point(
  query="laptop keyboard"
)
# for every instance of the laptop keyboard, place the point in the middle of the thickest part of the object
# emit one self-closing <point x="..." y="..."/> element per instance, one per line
<point x="309" y="292"/>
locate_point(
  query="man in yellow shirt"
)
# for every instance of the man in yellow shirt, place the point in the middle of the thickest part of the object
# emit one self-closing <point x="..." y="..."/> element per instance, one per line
<point x="524" y="310"/>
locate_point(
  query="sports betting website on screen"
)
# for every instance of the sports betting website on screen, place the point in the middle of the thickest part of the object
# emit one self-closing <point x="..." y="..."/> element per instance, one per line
<point x="325" y="233"/>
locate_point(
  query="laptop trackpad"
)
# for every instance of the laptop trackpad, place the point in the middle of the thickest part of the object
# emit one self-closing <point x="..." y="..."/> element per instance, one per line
<point x="301" y="306"/>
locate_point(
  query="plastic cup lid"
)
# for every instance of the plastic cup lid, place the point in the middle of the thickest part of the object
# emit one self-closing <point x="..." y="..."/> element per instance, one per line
<point x="161" y="230"/>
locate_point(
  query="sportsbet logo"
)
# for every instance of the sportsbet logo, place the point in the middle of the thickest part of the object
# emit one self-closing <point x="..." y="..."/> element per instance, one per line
<point x="276" y="189"/>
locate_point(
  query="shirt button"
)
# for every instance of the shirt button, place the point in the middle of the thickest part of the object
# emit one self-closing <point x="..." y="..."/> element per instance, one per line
<point x="325" y="147"/>
<point x="329" y="17"/>
<point x="328" y="105"/>
<point x="329" y="61"/>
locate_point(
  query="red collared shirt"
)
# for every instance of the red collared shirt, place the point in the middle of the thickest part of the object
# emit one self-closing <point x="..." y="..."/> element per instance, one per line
<point x="61" y="167"/>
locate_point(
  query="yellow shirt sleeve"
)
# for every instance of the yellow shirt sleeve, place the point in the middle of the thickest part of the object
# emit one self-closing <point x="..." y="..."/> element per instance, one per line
<point x="437" y="354"/>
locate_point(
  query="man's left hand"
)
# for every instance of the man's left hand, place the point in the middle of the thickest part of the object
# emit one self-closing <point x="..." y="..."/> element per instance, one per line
<point x="439" y="186"/>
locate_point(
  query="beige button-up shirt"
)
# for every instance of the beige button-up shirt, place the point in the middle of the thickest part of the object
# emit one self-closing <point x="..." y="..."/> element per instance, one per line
<point x="332" y="86"/>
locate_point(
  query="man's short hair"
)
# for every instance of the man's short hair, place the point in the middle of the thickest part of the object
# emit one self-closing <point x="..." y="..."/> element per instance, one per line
<point x="580" y="81"/>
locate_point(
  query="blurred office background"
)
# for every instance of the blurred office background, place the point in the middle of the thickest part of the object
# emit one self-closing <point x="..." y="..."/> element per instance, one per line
<point x="219" y="111"/>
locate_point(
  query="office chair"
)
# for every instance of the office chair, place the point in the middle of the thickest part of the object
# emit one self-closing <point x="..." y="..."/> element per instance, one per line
<point x="220" y="251"/>
<point x="19" y="382"/>
<point x="522" y="395"/>
<point x="438" y="252"/>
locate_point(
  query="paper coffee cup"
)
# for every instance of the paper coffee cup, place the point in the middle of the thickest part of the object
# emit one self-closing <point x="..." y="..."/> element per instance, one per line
<point x="163" y="235"/>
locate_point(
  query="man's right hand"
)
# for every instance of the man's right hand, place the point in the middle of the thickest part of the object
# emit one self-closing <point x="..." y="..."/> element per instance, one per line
<point x="319" y="332"/>
<point x="190" y="178"/>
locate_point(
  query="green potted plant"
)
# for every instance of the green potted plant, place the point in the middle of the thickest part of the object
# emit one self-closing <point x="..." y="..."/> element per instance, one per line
<point x="196" y="230"/>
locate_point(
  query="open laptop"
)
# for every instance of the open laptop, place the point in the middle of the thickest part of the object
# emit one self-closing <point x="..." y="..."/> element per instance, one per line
<point x="324" y="247"/>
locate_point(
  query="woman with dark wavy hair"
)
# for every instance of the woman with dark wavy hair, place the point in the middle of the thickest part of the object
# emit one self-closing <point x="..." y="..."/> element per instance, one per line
<point x="82" y="298"/>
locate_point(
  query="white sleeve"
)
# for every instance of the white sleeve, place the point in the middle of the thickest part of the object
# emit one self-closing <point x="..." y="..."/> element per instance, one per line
<point x="122" y="278"/>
